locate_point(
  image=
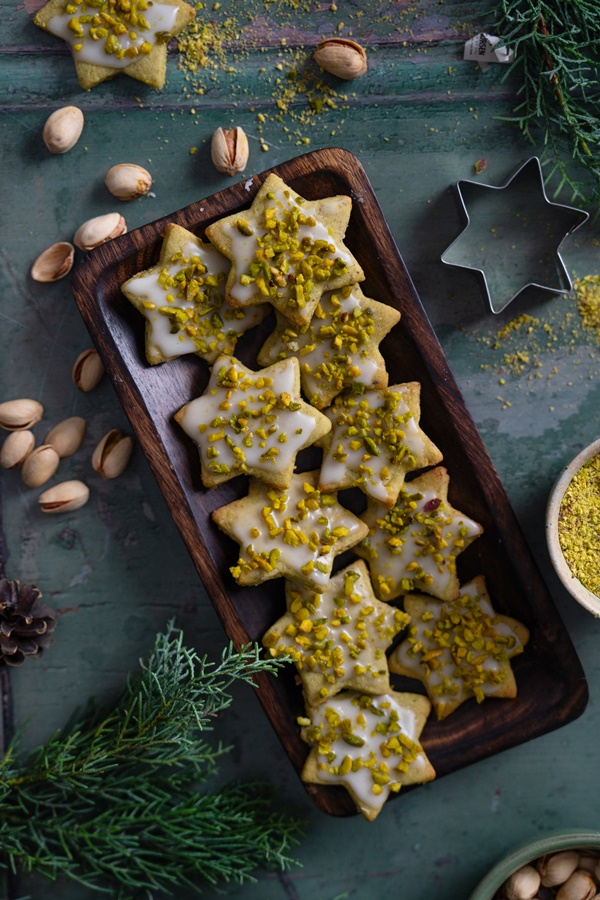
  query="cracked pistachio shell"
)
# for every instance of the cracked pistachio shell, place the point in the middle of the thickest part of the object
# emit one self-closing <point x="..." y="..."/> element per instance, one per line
<point x="557" y="867"/>
<point x="63" y="129"/>
<point x="54" y="262"/>
<point x="67" y="436"/>
<point x="128" y="181"/>
<point x="64" y="497"/>
<point x="88" y="370"/>
<point x="522" y="884"/>
<point x="579" y="886"/>
<point x="229" y="150"/>
<point x="16" y="448"/>
<point x="98" y="230"/>
<point x="341" y="57"/>
<point x="20" y="415"/>
<point x="112" y="454"/>
<point x="40" y="465"/>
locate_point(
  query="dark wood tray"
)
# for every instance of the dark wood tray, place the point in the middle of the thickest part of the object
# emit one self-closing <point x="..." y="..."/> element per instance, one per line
<point x="552" y="686"/>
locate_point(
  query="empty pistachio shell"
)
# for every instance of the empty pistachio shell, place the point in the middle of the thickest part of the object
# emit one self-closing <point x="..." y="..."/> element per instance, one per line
<point x="557" y="867"/>
<point x="112" y="454"/>
<point x="67" y="436"/>
<point x="343" y="58"/>
<point x="522" y="884"/>
<point x="579" y="886"/>
<point x="128" y="181"/>
<point x="88" y="370"/>
<point x="63" y="129"/>
<point x="16" y="448"/>
<point x="40" y="465"/>
<point x="54" y="262"/>
<point x="19" y="415"/>
<point x="229" y="150"/>
<point x="64" y="497"/>
<point x="98" y="230"/>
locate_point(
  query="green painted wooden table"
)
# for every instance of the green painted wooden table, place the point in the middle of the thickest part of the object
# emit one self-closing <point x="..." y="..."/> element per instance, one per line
<point x="117" y="570"/>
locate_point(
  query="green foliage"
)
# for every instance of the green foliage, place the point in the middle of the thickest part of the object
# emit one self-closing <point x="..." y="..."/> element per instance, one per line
<point x="555" y="53"/>
<point x="113" y="802"/>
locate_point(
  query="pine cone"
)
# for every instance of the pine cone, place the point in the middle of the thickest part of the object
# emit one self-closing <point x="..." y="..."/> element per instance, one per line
<point x="25" y="626"/>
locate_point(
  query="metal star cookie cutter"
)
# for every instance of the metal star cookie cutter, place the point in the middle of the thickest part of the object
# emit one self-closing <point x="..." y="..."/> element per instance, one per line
<point x="513" y="236"/>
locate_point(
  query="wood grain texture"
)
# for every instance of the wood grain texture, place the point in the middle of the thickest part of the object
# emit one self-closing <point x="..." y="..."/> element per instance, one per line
<point x="552" y="687"/>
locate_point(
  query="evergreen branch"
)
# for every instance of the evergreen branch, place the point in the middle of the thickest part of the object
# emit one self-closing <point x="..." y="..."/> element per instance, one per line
<point x="111" y="802"/>
<point x="553" y="42"/>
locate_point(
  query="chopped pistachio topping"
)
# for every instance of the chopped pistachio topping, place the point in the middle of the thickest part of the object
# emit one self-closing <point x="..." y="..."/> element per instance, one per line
<point x="288" y="262"/>
<point x="108" y="21"/>
<point x="579" y="525"/>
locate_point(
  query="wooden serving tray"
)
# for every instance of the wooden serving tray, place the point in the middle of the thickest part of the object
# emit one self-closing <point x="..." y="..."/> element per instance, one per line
<point x="552" y="686"/>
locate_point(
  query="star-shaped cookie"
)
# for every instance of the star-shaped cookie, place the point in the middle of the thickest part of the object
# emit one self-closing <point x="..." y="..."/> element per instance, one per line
<point x="375" y="441"/>
<point x="251" y="423"/>
<point x="286" y="250"/>
<point x="338" y="348"/>
<point x="370" y="745"/>
<point x="337" y="639"/>
<point x="460" y="649"/>
<point x="414" y="544"/>
<point x="182" y="298"/>
<point x="296" y="532"/>
<point x="111" y="36"/>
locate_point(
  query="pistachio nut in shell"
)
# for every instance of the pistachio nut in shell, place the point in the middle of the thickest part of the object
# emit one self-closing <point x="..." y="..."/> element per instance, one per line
<point x="128" y="181"/>
<point x="579" y="886"/>
<point x="557" y="867"/>
<point x="87" y="370"/>
<point x="112" y="454"/>
<point x="98" y="230"/>
<point x="54" y="262"/>
<point x="40" y="465"/>
<point x="63" y="129"/>
<point x="16" y="448"/>
<point x="229" y="150"/>
<point x="64" y="497"/>
<point x="67" y="436"/>
<point x="341" y="57"/>
<point x="20" y="415"/>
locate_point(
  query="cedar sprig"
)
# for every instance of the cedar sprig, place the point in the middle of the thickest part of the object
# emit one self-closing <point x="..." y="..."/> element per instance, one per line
<point x="116" y="801"/>
<point x="554" y="44"/>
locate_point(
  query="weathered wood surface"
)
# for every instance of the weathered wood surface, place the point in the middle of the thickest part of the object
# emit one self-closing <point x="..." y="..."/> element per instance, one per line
<point x="118" y="569"/>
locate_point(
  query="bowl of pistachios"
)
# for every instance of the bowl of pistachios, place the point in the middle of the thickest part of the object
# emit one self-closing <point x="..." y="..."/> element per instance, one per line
<point x="573" y="527"/>
<point x="559" y="866"/>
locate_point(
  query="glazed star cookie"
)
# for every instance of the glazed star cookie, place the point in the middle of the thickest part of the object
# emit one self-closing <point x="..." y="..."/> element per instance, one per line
<point x="460" y="649"/>
<point x="375" y="440"/>
<point x="369" y="745"/>
<point x="296" y="532"/>
<point x="286" y="250"/>
<point x="110" y="36"/>
<point x="183" y="301"/>
<point x="251" y="423"/>
<point x="337" y="639"/>
<point x="414" y="545"/>
<point x="338" y="348"/>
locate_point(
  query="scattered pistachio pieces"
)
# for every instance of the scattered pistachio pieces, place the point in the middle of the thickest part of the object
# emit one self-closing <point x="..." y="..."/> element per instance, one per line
<point x="579" y="525"/>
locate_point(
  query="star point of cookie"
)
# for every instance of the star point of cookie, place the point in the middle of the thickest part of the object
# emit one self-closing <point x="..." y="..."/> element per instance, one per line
<point x="369" y="745"/>
<point x="111" y="36"/>
<point x="251" y="423"/>
<point x="459" y="649"/>
<point x="375" y="441"/>
<point x="296" y="532"/>
<point x="182" y="299"/>
<point x="338" y="348"/>
<point x="286" y="250"/>
<point x="337" y="638"/>
<point x="414" y="545"/>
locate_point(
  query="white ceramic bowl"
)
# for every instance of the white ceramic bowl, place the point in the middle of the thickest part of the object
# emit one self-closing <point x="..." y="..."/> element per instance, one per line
<point x="590" y="601"/>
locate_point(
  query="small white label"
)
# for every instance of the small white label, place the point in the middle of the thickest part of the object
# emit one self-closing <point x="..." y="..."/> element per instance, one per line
<point x="485" y="49"/>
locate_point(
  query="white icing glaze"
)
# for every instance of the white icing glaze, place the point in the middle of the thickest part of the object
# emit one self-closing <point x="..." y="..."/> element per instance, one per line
<point x="295" y="424"/>
<point x="361" y="781"/>
<point x="243" y="247"/>
<point x="160" y="17"/>
<point x="334" y="472"/>
<point x="390" y="562"/>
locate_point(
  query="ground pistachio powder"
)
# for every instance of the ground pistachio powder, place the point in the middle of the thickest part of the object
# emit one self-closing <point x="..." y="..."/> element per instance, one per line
<point x="579" y="525"/>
